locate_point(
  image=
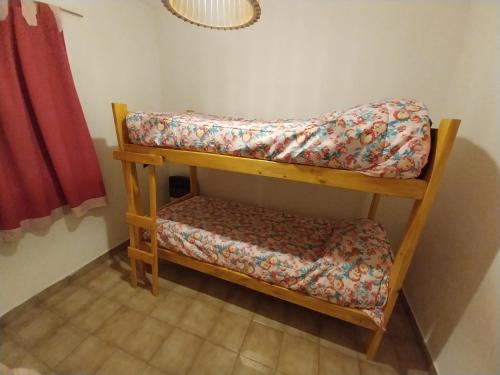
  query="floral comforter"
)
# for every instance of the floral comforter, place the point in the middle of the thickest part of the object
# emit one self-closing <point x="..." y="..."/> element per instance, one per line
<point x="388" y="138"/>
<point x="345" y="261"/>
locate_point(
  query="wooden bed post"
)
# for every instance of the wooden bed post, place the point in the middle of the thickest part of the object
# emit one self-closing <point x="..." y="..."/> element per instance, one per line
<point x="193" y="180"/>
<point x="138" y="252"/>
<point x="442" y="146"/>
<point x="374" y="206"/>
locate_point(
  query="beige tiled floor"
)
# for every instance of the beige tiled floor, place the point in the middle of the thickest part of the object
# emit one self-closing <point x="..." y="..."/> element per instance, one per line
<point x="95" y="323"/>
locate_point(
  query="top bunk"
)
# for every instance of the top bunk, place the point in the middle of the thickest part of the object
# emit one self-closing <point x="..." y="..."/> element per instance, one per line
<point x="383" y="147"/>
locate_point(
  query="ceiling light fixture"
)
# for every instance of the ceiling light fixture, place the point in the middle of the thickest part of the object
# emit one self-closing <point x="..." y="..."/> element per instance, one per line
<point x="216" y="14"/>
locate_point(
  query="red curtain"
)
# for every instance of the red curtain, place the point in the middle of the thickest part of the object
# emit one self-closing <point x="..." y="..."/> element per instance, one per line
<point x="47" y="158"/>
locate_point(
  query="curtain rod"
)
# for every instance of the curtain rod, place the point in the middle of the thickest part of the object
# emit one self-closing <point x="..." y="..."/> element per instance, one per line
<point x="66" y="10"/>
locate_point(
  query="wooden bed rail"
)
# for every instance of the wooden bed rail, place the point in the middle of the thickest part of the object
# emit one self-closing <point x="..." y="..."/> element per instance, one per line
<point x="423" y="190"/>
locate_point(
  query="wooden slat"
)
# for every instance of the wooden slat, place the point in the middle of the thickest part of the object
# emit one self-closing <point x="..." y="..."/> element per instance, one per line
<point x="193" y="180"/>
<point x="155" y="289"/>
<point x="178" y="200"/>
<point x="140" y="255"/>
<point x="374" y="206"/>
<point x="140" y="221"/>
<point x="351" y="315"/>
<point x="133" y="157"/>
<point x="409" y="188"/>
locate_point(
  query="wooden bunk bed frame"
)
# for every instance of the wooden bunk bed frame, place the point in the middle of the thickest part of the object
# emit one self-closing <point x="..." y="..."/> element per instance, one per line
<point x="422" y="190"/>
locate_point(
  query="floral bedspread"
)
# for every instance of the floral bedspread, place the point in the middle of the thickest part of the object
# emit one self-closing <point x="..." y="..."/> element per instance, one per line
<point x="343" y="261"/>
<point x="389" y="138"/>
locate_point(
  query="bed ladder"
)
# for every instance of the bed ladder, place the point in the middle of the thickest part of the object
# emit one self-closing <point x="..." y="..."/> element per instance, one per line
<point x="139" y="252"/>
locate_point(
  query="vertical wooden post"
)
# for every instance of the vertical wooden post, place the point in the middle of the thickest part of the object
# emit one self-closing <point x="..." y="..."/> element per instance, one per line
<point x="442" y="146"/>
<point x="374" y="206"/>
<point x="153" y="230"/>
<point x="193" y="180"/>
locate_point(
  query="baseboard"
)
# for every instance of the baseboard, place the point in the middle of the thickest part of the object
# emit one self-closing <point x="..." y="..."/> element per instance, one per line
<point x="416" y="328"/>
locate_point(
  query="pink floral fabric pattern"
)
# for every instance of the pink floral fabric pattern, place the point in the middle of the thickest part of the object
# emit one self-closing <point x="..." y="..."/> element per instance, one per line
<point x="389" y="138"/>
<point x="346" y="262"/>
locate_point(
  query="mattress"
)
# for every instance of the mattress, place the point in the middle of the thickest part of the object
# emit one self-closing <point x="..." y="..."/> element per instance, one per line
<point x="389" y="138"/>
<point x="346" y="262"/>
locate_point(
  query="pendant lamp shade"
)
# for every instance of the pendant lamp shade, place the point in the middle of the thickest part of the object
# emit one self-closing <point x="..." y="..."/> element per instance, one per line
<point x="216" y="14"/>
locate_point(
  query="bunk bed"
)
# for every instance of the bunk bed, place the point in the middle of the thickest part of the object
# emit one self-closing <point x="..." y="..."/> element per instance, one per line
<point x="342" y="268"/>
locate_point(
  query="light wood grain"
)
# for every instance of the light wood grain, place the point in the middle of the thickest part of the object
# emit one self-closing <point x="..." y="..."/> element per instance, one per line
<point x="140" y="221"/>
<point x="409" y="188"/>
<point x="374" y="206"/>
<point x="135" y="157"/>
<point x="193" y="180"/>
<point x="142" y="255"/>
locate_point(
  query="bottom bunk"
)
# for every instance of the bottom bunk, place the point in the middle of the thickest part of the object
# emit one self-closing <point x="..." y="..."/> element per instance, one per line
<point x="326" y="265"/>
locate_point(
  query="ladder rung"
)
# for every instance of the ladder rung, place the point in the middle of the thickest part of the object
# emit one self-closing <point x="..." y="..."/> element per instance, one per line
<point x="135" y="157"/>
<point x="145" y="222"/>
<point x="140" y="255"/>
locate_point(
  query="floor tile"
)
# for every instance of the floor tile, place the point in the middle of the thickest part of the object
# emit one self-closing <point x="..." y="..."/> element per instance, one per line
<point x="339" y="335"/>
<point x="171" y="308"/>
<point x="96" y="266"/>
<point x="262" y="344"/>
<point x="79" y="299"/>
<point x="213" y="360"/>
<point x="44" y="295"/>
<point x="298" y="356"/>
<point x="189" y="283"/>
<point x="271" y="312"/>
<point x="37" y="329"/>
<point x="215" y="292"/>
<point x="143" y="301"/>
<point x="85" y="276"/>
<point x="59" y="345"/>
<point x="242" y="301"/>
<point x="121" y="363"/>
<point x="121" y="292"/>
<point x="150" y="370"/>
<point x="119" y="326"/>
<point x="104" y="281"/>
<point x="334" y="362"/>
<point x="60" y="295"/>
<point x="13" y="323"/>
<point x="230" y="330"/>
<point x="199" y="318"/>
<point x="417" y="372"/>
<point x="87" y="358"/>
<point x="372" y="368"/>
<point x="20" y="314"/>
<point x="80" y="326"/>
<point x="177" y="353"/>
<point x="304" y="323"/>
<point x="409" y="354"/>
<point x="245" y="366"/>
<point x="387" y="353"/>
<point x="93" y="316"/>
<point x="399" y="324"/>
<point x="145" y="342"/>
<point x="10" y="351"/>
<point x="30" y="362"/>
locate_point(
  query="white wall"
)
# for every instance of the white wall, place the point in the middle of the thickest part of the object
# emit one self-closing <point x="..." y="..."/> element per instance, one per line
<point x="114" y="57"/>
<point x="454" y="285"/>
<point x="304" y="58"/>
